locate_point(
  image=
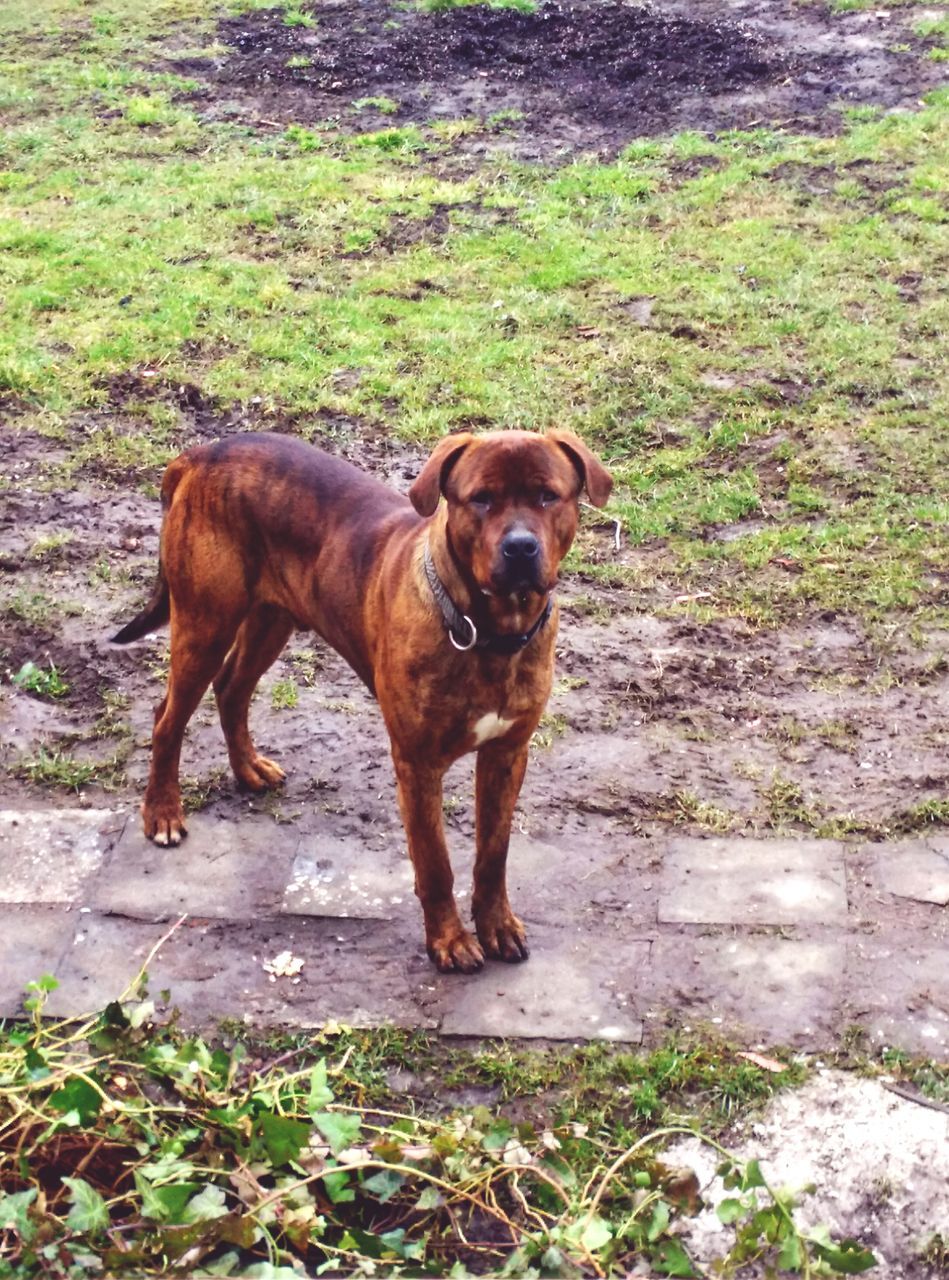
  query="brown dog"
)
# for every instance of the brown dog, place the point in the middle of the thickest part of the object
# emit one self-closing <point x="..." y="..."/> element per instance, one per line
<point x="446" y="614"/>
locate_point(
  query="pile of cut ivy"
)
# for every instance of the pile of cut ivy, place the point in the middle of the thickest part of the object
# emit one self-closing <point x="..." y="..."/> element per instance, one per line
<point x="131" y="1148"/>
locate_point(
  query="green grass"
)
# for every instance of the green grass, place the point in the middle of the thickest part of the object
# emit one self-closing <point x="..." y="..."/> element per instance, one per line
<point x="790" y="372"/>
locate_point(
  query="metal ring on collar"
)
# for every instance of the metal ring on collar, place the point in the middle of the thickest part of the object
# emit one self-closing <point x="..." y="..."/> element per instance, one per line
<point x="463" y="648"/>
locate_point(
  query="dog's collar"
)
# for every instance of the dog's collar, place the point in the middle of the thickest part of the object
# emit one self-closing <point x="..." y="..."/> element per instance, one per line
<point x="463" y="633"/>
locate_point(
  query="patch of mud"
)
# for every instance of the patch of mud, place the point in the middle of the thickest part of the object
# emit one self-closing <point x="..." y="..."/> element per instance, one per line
<point x="569" y="77"/>
<point x="879" y="1162"/>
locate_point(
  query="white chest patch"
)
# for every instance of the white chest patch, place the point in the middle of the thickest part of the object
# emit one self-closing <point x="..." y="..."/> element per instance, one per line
<point x="489" y="726"/>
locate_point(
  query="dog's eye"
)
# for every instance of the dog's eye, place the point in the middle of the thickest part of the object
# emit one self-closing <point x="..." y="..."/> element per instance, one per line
<point x="547" y="497"/>
<point x="483" y="498"/>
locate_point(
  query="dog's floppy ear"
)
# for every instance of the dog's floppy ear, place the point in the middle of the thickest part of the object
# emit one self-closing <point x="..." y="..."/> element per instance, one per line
<point x="429" y="484"/>
<point x="594" y="476"/>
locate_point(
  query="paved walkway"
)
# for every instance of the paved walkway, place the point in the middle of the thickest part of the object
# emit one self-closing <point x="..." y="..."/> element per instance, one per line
<point x="774" y="941"/>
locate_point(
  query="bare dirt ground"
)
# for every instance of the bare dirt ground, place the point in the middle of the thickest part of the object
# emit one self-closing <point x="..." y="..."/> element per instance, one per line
<point x="570" y="77"/>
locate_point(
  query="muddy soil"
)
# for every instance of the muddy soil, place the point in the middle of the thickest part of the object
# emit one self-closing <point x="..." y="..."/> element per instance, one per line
<point x="569" y="77"/>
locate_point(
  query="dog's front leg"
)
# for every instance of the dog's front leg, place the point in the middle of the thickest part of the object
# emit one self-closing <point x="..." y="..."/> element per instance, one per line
<point x="449" y="943"/>
<point x="500" y="773"/>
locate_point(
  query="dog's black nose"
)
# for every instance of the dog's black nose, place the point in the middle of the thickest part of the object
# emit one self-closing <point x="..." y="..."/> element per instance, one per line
<point x="519" y="544"/>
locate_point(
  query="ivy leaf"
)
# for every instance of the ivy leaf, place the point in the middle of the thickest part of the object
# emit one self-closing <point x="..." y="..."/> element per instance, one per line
<point x="36" y="1068"/>
<point x="498" y="1136"/>
<point x="791" y="1257"/>
<point x="78" y="1095"/>
<point x="283" y="1137"/>
<point x="374" y="1246"/>
<point x="321" y="1095"/>
<point x="431" y="1198"/>
<point x="164" y="1204"/>
<point x="659" y="1223"/>
<point x="340" y="1131"/>
<point x="729" y="1210"/>
<point x="672" y="1260"/>
<point x="226" y="1265"/>
<point x="207" y="1204"/>
<point x="595" y="1235"/>
<point x="88" y="1212"/>
<point x="384" y="1184"/>
<point x="267" y="1271"/>
<point x="13" y="1213"/>
<point x="848" y="1257"/>
<point x="338" y="1188"/>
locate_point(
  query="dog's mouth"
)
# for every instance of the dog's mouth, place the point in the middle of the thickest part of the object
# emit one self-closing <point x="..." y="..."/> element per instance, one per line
<point x="518" y="588"/>
<point x="520" y="583"/>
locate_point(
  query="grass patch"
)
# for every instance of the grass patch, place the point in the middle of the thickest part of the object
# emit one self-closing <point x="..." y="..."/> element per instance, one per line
<point x="769" y="416"/>
<point x="60" y="771"/>
<point x="787" y="373"/>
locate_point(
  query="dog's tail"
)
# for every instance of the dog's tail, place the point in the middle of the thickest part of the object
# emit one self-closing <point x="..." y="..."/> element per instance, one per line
<point x="155" y="614"/>
<point x="158" y="610"/>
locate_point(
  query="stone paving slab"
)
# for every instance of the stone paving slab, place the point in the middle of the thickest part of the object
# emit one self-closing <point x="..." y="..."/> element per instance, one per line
<point x="214" y="969"/>
<point x="755" y="936"/>
<point x="753" y="882"/>
<point x="918" y="869"/>
<point x="561" y="994"/>
<point x="899" y="994"/>
<point x="47" y="855"/>
<point x="32" y="942"/>
<point x="348" y="879"/>
<point x="776" y="991"/>
<point x="230" y="870"/>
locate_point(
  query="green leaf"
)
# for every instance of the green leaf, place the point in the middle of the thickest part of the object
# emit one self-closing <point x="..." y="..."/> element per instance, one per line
<point x="338" y="1187"/>
<point x="384" y="1184"/>
<point x="78" y="1095"/>
<point x="596" y="1233"/>
<point x="752" y="1177"/>
<point x="226" y="1265"/>
<point x="848" y="1257"/>
<point x="791" y="1257"/>
<point x="498" y="1136"/>
<point x="164" y="1204"/>
<point x="88" y="1212"/>
<point x="431" y="1198"/>
<point x="283" y="1137"/>
<point x="267" y="1271"/>
<point x="13" y="1213"/>
<point x="206" y="1205"/>
<point x="659" y="1222"/>
<point x="671" y="1259"/>
<point x="340" y="1131"/>
<point x="321" y="1095"/>
<point x="373" y="1246"/>
<point x="36" y="1068"/>
<point x="730" y="1210"/>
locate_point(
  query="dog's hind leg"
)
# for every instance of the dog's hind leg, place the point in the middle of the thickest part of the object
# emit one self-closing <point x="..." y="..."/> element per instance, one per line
<point x="196" y="657"/>
<point x="258" y="644"/>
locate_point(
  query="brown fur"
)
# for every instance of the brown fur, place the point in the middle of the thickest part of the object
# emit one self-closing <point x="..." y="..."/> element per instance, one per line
<point x="264" y="535"/>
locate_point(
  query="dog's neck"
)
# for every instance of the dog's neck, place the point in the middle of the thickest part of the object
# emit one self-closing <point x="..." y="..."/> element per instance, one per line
<point x="507" y="615"/>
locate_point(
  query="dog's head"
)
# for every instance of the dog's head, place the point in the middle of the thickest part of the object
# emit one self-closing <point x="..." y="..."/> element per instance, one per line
<point x="512" y="499"/>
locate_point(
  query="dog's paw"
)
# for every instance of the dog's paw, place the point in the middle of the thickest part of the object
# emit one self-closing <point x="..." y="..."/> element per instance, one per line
<point x="503" y="938"/>
<point x="458" y="952"/>
<point x="164" y="823"/>
<point x="258" y="774"/>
